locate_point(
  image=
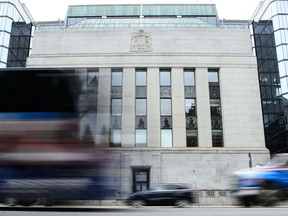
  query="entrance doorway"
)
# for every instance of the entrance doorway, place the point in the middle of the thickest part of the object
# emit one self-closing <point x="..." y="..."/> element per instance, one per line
<point x="141" y="179"/>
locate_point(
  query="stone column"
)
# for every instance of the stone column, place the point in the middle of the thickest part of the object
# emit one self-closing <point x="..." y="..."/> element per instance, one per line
<point x="178" y="109"/>
<point x="203" y="108"/>
<point x="103" y="107"/>
<point x="128" y="108"/>
<point x="153" y="107"/>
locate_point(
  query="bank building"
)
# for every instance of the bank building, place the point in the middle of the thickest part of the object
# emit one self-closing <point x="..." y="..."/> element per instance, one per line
<point x="176" y="93"/>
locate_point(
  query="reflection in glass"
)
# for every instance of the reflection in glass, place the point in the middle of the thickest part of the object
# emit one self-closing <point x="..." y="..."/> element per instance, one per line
<point x="217" y="138"/>
<point x="191" y="122"/>
<point x="166" y="122"/>
<point x="141" y="122"/>
<point x="166" y="138"/>
<point x="191" y="138"/>
<point x="190" y="107"/>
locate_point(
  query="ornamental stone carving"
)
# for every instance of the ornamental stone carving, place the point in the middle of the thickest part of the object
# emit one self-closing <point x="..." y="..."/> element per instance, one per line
<point x="141" y="41"/>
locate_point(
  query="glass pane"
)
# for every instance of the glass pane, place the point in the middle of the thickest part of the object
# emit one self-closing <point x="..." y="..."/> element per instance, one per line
<point x="166" y="122"/>
<point x="165" y="78"/>
<point x="141" y="138"/>
<point x="190" y="107"/>
<point x="141" y="107"/>
<point x="189" y="78"/>
<point x="115" y="122"/>
<point x="166" y="109"/>
<point x="141" y="78"/>
<point x="191" y="138"/>
<point x="116" y="78"/>
<point x="141" y="122"/>
<point x="165" y="91"/>
<point x="214" y="91"/>
<point x="191" y="122"/>
<point x="213" y="77"/>
<point x="190" y="92"/>
<point x="217" y="139"/>
<point x="216" y="122"/>
<point x="116" y="92"/>
<point x="141" y="91"/>
<point x="116" y="107"/>
<point x="166" y="138"/>
<point x="141" y="177"/>
<point x="116" y="138"/>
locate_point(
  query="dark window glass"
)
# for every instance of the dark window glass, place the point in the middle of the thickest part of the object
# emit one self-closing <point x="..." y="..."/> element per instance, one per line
<point x="141" y="179"/>
<point x="191" y="138"/>
<point x="217" y="140"/>
<point x="141" y="122"/>
<point x="166" y="122"/>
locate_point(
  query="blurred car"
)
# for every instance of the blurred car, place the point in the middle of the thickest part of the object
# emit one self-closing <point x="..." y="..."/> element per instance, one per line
<point x="179" y="195"/>
<point x="263" y="185"/>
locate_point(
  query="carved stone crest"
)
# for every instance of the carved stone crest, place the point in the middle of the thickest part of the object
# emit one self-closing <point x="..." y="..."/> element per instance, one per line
<point x="141" y="41"/>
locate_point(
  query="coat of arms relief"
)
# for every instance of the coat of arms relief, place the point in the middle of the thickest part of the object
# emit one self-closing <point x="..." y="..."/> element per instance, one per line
<point x="141" y="41"/>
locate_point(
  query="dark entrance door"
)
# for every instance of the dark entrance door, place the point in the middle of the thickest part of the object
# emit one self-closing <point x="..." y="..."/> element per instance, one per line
<point x="141" y="179"/>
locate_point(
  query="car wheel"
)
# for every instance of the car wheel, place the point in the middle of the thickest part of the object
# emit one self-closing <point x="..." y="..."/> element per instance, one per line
<point x="27" y="202"/>
<point x="10" y="202"/>
<point x="181" y="203"/>
<point x="270" y="194"/>
<point x="246" y="202"/>
<point x="137" y="203"/>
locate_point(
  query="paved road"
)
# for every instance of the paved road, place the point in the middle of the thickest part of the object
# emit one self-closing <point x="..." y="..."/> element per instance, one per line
<point x="145" y="211"/>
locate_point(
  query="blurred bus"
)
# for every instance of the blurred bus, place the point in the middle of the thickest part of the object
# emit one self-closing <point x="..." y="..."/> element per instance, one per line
<point x="41" y="156"/>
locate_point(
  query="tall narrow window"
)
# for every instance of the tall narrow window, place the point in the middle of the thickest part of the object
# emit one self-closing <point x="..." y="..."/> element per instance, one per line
<point x="141" y="108"/>
<point x="215" y="108"/>
<point x="166" y="108"/>
<point x="116" y="107"/>
<point x="190" y="108"/>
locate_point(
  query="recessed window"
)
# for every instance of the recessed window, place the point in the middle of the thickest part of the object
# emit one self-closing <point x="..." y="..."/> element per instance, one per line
<point x="141" y="138"/>
<point x="116" y="107"/>
<point x="117" y="79"/>
<point x="141" y="78"/>
<point x="141" y="107"/>
<point x="213" y="77"/>
<point x="189" y="78"/>
<point x="166" y="109"/>
<point x="166" y="138"/>
<point x="165" y="78"/>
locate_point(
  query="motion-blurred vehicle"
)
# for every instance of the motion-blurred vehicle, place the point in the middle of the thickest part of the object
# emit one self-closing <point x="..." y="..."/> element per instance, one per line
<point x="263" y="185"/>
<point x="42" y="155"/>
<point x="179" y="195"/>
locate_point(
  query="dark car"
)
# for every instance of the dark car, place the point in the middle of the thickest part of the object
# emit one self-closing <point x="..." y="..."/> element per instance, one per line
<point x="179" y="195"/>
